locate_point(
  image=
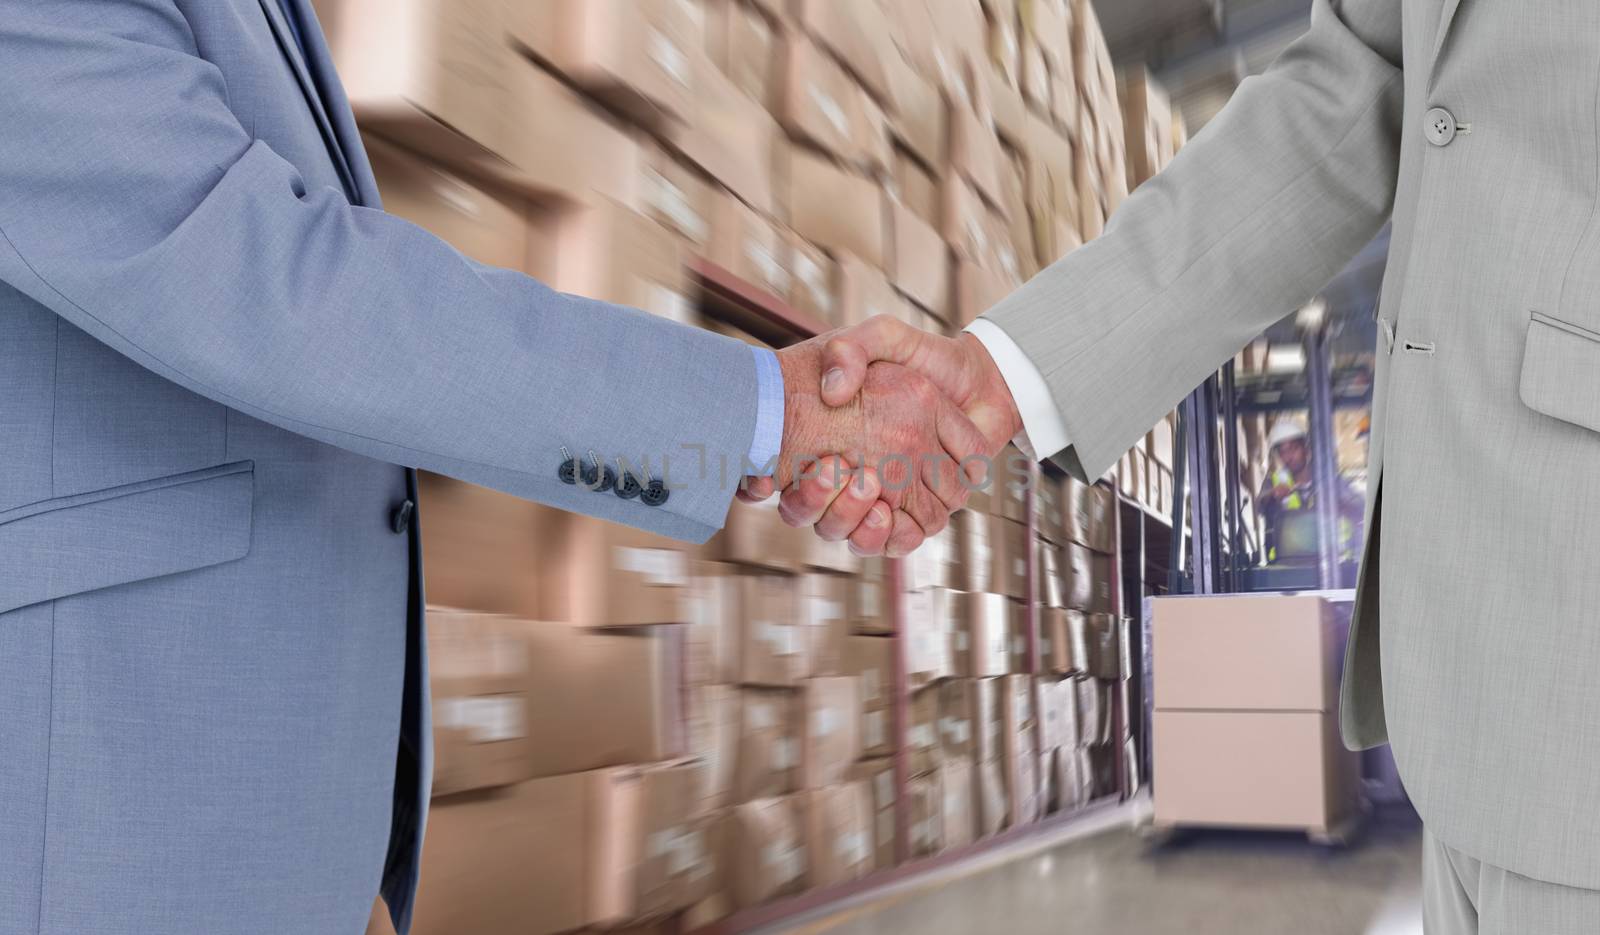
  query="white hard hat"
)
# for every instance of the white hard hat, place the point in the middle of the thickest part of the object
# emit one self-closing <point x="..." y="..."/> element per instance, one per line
<point x="1285" y="429"/>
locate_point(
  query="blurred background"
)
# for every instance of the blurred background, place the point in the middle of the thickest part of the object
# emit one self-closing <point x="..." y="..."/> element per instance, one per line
<point x="1093" y="708"/>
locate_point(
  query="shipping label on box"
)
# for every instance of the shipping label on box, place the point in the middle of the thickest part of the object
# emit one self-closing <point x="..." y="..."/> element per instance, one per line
<point x="673" y="865"/>
<point x="479" y="668"/>
<point x="927" y="637"/>
<point x="830" y="712"/>
<point x="768" y="756"/>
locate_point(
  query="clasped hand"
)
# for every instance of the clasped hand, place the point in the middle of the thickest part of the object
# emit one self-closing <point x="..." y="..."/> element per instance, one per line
<point x="887" y="429"/>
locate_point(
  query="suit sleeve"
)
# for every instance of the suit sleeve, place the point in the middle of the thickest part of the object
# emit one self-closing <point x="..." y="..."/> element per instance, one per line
<point x="135" y="205"/>
<point x="1255" y="214"/>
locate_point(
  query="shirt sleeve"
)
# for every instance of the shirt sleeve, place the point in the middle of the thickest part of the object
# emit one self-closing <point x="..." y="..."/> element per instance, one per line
<point x="1043" y="431"/>
<point x="767" y="440"/>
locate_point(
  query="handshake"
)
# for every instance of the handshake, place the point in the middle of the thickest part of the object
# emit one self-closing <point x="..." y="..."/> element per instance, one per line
<point x="887" y="429"/>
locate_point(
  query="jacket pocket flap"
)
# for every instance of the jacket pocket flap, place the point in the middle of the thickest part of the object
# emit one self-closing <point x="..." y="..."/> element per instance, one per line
<point x="1561" y="371"/>
<point x="69" y="545"/>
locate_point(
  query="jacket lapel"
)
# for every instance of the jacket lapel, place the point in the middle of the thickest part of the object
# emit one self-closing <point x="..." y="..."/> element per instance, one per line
<point x="1447" y="16"/>
<point x="291" y="51"/>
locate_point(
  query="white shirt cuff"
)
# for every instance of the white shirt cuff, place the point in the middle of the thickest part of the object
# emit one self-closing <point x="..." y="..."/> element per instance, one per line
<point x="1043" y="431"/>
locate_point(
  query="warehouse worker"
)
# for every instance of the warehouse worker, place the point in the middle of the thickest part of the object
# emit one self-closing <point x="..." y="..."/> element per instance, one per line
<point x="1485" y="440"/>
<point x="218" y="363"/>
<point x="1288" y="496"/>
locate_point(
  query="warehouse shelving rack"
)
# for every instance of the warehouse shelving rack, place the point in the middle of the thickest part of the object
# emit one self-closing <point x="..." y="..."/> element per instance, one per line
<point x="727" y="298"/>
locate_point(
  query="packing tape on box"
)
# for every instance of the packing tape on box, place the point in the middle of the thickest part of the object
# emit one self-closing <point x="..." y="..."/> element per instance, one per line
<point x="830" y="110"/>
<point x="872" y="728"/>
<point x="852" y="847"/>
<point x="659" y="566"/>
<point x="783" y="754"/>
<point x="824" y="721"/>
<point x="666" y="54"/>
<point x="486" y="719"/>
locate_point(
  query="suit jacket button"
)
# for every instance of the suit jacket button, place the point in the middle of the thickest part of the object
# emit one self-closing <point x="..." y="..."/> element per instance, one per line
<point x="1439" y="126"/>
<point x="400" y="519"/>
<point x="655" y="494"/>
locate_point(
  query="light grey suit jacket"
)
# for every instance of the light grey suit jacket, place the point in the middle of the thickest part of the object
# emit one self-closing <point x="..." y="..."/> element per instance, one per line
<point x="215" y="354"/>
<point x="1485" y="447"/>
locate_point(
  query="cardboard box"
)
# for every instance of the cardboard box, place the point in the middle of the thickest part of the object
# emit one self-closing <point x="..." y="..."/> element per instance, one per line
<point x="1090" y="515"/>
<point x="1075" y="652"/>
<point x="818" y="103"/>
<point x="830" y="711"/>
<point x="480" y="545"/>
<point x="1300" y="775"/>
<point x="560" y="144"/>
<point x="956" y="790"/>
<point x="922" y="731"/>
<point x="1068" y="779"/>
<point x="635" y="55"/>
<point x="773" y="642"/>
<point x="859" y="34"/>
<point x="609" y="575"/>
<point x="975" y="230"/>
<point x="927" y="640"/>
<point x="1053" y="716"/>
<point x="755" y="535"/>
<point x="711" y="604"/>
<point x="622" y="844"/>
<point x="914" y="186"/>
<point x="1023" y="252"/>
<point x="960" y="713"/>
<point x="878" y="776"/>
<point x="1104" y="640"/>
<point x="920" y="113"/>
<point x="677" y="196"/>
<point x="927" y="808"/>
<point x="714" y="717"/>
<point x="979" y="629"/>
<point x="1246" y="653"/>
<point x="1005" y="52"/>
<point x="971" y="565"/>
<point x="1094" y="712"/>
<point x="1056" y="636"/>
<point x="919" y="264"/>
<point x="1077" y="576"/>
<point x="477" y="675"/>
<point x="426" y="71"/>
<point x="764" y="851"/>
<point x="1158" y="443"/>
<point x="865" y="292"/>
<point x="831" y="207"/>
<point x="825" y="620"/>
<point x="867" y="605"/>
<point x="1024" y="793"/>
<point x="1017" y="620"/>
<point x="990" y="805"/>
<point x="611" y="253"/>
<point x="1048" y="590"/>
<point x="731" y="137"/>
<point x="838" y="833"/>
<point x="1015" y="698"/>
<point x="747" y="244"/>
<point x="483" y="221"/>
<point x="814" y="290"/>
<point x="768" y="758"/>
<point x="742" y="43"/>
<point x="975" y="290"/>
<point x="870" y="661"/>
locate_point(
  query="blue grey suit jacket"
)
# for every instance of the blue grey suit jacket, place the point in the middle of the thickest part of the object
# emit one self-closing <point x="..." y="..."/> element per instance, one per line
<point x="216" y="355"/>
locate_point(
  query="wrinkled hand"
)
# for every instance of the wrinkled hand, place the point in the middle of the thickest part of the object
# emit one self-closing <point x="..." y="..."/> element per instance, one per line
<point x="960" y="368"/>
<point x="888" y="458"/>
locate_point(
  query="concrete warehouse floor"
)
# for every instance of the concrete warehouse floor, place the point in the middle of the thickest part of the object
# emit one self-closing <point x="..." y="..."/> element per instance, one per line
<point x="1199" y="883"/>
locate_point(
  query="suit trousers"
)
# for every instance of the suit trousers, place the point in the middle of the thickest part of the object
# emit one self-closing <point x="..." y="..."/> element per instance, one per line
<point x="1462" y="895"/>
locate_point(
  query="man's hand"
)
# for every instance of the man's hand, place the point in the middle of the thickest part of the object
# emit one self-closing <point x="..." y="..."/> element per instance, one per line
<point x="888" y="459"/>
<point x="960" y="368"/>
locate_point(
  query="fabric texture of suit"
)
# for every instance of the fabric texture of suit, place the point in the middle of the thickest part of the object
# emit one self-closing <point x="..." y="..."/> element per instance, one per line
<point x="216" y="352"/>
<point x="1473" y="124"/>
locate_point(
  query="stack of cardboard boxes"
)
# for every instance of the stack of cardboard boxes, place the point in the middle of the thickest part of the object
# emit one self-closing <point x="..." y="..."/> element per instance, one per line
<point x="712" y="727"/>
